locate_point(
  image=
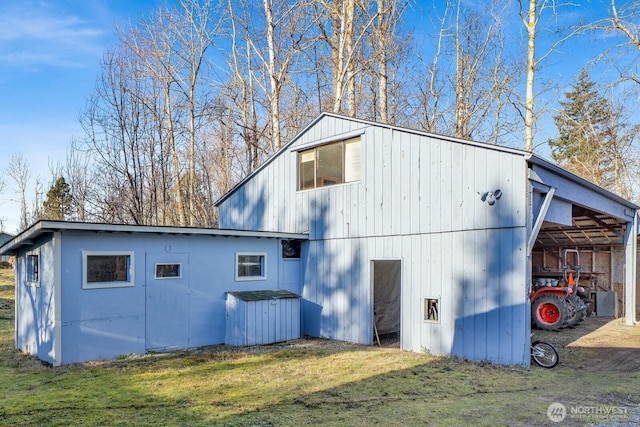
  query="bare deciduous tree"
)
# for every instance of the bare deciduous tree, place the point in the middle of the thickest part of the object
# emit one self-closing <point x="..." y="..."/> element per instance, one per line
<point x="530" y="17"/>
<point x="19" y="171"/>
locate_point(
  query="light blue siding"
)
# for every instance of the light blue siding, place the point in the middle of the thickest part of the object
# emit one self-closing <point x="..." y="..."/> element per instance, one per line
<point x="60" y="322"/>
<point x="419" y="200"/>
<point x="36" y="305"/>
<point x="261" y="322"/>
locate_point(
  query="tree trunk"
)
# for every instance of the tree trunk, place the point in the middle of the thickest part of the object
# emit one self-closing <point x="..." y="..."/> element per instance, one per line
<point x="531" y="70"/>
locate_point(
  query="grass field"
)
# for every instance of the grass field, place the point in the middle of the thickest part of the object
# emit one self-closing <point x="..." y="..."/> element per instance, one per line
<point x="307" y="382"/>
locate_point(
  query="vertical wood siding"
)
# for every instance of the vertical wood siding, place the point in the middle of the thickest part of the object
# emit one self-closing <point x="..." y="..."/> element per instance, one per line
<point x="419" y="200"/>
<point x="262" y="322"/>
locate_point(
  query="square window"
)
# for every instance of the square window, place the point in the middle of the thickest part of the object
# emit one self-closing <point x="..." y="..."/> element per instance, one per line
<point x="33" y="268"/>
<point x="291" y="249"/>
<point x="168" y="271"/>
<point x="251" y="266"/>
<point x="431" y="312"/>
<point x="107" y="269"/>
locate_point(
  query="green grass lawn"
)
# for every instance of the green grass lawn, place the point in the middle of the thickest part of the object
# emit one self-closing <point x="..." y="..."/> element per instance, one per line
<point x="308" y="383"/>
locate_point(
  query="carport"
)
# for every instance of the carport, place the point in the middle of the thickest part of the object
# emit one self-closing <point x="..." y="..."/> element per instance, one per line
<point x="570" y="212"/>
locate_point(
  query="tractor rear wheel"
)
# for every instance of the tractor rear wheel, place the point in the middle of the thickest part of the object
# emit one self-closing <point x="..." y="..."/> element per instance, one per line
<point x="577" y="311"/>
<point x="549" y="312"/>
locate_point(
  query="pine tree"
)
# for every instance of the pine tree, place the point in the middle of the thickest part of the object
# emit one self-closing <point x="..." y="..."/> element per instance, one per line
<point x="57" y="206"/>
<point x="592" y="142"/>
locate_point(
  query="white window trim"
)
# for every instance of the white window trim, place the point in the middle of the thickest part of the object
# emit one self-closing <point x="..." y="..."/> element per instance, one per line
<point x="35" y="283"/>
<point x="332" y="139"/>
<point x="344" y="165"/>
<point x="155" y="270"/>
<point x="99" y="285"/>
<point x="250" y="278"/>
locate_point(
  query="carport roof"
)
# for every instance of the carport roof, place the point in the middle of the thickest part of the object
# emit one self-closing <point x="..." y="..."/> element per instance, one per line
<point x="598" y="216"/>
<point x="28" y="236"/>
<point x="589" y="228"/>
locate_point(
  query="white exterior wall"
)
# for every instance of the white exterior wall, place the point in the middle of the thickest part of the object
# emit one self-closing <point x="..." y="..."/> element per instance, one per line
<point x="418" y="201"/>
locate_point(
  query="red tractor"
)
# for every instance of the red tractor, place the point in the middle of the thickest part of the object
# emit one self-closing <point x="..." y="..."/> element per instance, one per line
<point x="557" y="304"/>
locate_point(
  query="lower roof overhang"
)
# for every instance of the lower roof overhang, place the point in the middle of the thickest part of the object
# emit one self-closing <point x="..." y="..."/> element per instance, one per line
<point x="40" y="228"/>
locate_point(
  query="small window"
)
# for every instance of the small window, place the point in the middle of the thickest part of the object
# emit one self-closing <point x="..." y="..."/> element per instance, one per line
<point x="168" y="271"/>
<point x="107" y="269"/>
<point x="33" y="268"/>
<point x="291" y="249"/>
<point x="329" y="164"/>
<point x="251" y="266"/>
<point x="431" y="313"/>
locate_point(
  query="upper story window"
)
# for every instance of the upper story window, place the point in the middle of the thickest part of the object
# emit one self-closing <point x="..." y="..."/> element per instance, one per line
<point x="329" y="164"/>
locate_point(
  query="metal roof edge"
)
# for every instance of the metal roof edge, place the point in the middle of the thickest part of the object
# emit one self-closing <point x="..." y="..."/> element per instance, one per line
<point x="44" y="226"/>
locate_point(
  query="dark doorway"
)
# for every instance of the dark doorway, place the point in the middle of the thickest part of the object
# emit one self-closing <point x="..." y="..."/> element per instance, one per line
<point x="387" y="278"/>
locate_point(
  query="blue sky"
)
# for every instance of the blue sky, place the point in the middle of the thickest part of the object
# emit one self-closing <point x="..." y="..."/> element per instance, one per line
<point x="49" y="59"/>
<point x="50" y="52"/>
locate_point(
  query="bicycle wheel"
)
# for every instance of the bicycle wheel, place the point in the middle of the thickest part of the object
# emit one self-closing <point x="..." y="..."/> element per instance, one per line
<point x="544" y="354"/>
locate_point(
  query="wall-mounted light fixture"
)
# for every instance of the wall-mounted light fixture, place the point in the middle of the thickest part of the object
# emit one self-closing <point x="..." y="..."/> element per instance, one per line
<point x="490" y="196"/>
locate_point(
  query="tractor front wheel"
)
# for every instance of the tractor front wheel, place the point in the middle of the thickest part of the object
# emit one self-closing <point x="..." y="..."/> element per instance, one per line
<point x="549" y="312"/>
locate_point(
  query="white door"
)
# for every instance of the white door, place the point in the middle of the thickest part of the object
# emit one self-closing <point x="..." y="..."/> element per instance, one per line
<point x="167" y="301"/>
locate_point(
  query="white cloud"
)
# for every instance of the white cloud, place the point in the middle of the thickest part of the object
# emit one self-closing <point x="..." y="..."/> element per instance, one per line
<point x="38" y="33"/>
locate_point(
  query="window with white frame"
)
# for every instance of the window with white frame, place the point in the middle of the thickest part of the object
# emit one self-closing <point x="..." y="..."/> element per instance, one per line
<point x="33" y="268"/>
<point x="329" y="164"/>
<point x="168" y="271"/>
<point x="107" y="269"/>
<point x="251" y="266"/>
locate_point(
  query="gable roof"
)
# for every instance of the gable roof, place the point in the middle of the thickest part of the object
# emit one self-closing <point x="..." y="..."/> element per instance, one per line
<point x="529" y="157"/>
<point x="366" y="123"/>
<point x="28" y="236"/>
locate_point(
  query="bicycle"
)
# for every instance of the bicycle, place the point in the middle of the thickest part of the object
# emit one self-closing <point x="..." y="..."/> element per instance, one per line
<point x="544" y="354"/>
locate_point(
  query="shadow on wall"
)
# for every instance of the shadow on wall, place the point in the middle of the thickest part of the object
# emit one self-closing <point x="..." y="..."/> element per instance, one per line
<point x="36" y="329"/>
<point x="336" y="299"/>
<point x="249" y="209"/>
<point x="491" y="303"/>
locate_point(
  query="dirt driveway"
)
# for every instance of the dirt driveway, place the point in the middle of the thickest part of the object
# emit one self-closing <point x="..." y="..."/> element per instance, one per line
<point x="599" y="344"/>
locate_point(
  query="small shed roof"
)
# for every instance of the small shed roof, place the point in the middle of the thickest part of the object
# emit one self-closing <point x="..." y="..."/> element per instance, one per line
<point x="28" y="236"/>
<point x="263" y="295"/>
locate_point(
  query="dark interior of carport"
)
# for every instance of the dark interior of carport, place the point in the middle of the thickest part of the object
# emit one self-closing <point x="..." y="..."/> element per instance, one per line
<point x="598" y="239"/>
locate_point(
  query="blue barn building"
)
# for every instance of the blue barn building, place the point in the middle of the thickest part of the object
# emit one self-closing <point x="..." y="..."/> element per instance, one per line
<point x="367" y="228"/>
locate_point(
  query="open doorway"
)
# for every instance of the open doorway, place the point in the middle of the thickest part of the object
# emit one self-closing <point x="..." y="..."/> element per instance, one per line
<point x="387" y="278"/>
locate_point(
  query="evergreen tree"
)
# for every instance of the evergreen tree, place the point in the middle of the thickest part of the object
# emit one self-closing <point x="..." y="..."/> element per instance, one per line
<point x="592" y="140"/>
<point x="57" y="206"/>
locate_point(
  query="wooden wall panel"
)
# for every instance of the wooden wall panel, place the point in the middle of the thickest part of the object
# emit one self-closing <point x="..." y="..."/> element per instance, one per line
<point x="418" y="201"/>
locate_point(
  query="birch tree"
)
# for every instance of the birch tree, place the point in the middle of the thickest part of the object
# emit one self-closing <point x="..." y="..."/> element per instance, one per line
<point x="19" y="172"/>
<point x="385" y="16"/>
<point x="531" y="12"/>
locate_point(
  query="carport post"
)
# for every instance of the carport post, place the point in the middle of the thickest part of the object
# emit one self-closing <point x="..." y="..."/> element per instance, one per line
<point x="631" y="253"/>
